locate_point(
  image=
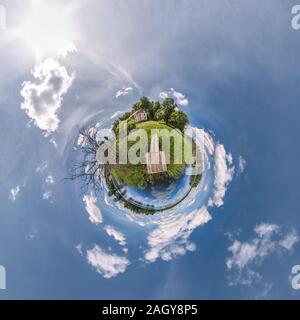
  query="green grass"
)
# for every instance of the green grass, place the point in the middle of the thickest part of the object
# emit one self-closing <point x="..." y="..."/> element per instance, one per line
<point x="135" y="175"/>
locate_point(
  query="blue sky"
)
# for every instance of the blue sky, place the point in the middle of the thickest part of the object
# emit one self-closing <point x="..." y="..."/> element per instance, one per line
<point x="233" y="69"/>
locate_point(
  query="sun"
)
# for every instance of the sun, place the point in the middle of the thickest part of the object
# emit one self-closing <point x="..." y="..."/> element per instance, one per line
<point x="48" y="29"/>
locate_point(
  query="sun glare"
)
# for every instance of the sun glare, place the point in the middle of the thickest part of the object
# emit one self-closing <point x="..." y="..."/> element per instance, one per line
<point x="48" y="29"/>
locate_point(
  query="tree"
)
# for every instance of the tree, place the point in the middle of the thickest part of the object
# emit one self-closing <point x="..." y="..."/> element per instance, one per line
<point x="169" y="107"/>
<point x="131" y="125"/>
<point x="125" y="116"/>
<point x="154" y="108"/>
<point x="144" y="103"/>
<point x="88" y="170"/>
<point x="164" y="110"/>
<point x="160" y="114"/>
<point x="178" y="119"/>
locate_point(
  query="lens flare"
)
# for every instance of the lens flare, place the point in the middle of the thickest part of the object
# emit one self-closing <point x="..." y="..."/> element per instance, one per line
<point x="48" y="29"/>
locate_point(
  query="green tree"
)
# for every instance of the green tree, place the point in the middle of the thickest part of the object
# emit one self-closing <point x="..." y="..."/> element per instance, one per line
<point x="154" y="108"/>
<point x="169" y="107"/>
<point x="131" y="125"/>
<point x="125" y="116"/>
<point x="160" y="114"/>
<point x="178" y="119"/>
<point x="143" y="103"/>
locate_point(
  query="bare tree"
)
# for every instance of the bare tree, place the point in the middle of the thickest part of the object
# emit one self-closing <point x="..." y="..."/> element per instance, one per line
<point x="89" y="171"/>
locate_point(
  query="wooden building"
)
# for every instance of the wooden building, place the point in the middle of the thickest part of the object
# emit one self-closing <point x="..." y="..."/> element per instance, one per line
<point x="139" y="116"/>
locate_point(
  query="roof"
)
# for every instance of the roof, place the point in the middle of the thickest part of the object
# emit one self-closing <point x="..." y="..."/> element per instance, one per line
<point x="136" y="112"/>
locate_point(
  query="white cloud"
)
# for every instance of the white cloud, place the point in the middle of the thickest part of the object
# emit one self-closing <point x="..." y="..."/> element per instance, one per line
<point x="94" y="212"/>
<point x="204" y="142"/>
<point x="42" y="101"/>
<point x="53" y="142"/>
<point x="223" y="174"/>
<point x="170" y="238"/>
<point x="242" y="254"/>
<point x="48" y="195"/>
<point x="116" y="114"/>
<point x="246" y="256"/>
<point x="164" y="95"/>
<point x="42" y="167"/>
<point x="49" y="180"/>
<point x="108" y="265"/>
<point x="13" y="193"/>
<point x="191" y="247"/>
<point x="265" y="229"/>
<point x="242" y="165"/>
<point x="79" y="248"/>
<point x="290" y="240"/>
<point x="123" y="92"/>
<point x="117" y="235"/>
<point x="179" y="98"/>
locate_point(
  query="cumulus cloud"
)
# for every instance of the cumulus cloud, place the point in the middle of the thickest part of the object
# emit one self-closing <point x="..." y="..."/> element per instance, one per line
<point x="13" y="193"/>
<point x="123" y="92"/>
<point x="108" y="265"/>
<point x="223" y="174"/>
<point x="42" y="101"/>
<point x="179" y="98"/>
<point x="170" y="238"/>
<point x="117" y="235"/>
<point x="246" y="256"/>
<point x="94" y="212"/>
